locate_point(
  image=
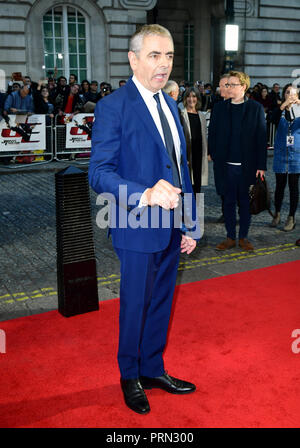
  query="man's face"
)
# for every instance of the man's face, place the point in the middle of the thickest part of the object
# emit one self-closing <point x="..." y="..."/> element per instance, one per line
<point x="62" y="82"/>
<point x="94" y="87"/>
<point x="175" y="93"/>
<point x="24" y="91"/>
<point x="235" y="90"/>
<point x="153" y="65"/>
<point x="71" y="79"/>
<point x="276" y="88"/>
<point x="223" y="89"/>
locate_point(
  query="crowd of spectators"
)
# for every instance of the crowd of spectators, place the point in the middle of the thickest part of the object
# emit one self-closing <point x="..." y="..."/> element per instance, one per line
<point x="61" y="96"/>
<point x="57" y="96"/>
<point x="270" y="98"/>
<point x="53" y="96"/>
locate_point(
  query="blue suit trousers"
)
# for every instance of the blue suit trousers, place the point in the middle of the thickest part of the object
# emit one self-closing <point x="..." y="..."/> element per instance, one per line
<point x="146" y="293"/>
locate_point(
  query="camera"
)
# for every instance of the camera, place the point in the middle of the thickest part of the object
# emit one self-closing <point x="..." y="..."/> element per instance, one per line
<point x="106" y="91"/>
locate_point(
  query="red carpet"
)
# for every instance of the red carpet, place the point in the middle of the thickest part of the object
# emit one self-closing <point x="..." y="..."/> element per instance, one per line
<point x="230" y="335"/>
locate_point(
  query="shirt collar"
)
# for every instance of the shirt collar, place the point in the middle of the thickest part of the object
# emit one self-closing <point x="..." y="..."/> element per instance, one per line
<point x="146" y="93"/>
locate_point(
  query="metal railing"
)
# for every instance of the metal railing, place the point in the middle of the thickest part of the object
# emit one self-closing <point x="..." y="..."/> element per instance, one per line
<point x="62" y="152"/>
<point x="14" y="158"/>
<point x="58" y="150"/>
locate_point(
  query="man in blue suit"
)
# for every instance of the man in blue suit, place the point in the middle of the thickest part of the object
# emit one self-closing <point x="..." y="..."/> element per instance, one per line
<point x="138" y="158"/>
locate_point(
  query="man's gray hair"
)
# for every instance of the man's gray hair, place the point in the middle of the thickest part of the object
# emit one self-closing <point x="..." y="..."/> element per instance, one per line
<point x="136" y="41"/>
<point x="170" y="86"/>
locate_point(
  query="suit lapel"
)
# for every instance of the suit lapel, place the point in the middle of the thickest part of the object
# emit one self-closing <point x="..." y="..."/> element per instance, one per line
<point x="142" y="111"/>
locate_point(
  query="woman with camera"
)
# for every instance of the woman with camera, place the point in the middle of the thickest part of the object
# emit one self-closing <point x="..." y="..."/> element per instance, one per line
<point x="286" y="164"/>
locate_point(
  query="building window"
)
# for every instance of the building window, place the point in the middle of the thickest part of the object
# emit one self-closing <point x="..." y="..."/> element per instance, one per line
<point x="65" y="42"/>
<point x="189" y="53"/>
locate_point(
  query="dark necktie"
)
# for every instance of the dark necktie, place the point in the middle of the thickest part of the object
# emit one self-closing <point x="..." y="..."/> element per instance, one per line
<point x="168" y="141"/>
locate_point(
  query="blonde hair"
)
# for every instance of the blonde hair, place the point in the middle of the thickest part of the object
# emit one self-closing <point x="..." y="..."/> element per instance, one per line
<point x="243" y="77"/>
<point x="136" y="40"/>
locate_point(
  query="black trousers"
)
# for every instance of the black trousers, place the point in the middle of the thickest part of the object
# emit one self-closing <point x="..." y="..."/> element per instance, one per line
<point x="236" y="192"/>
<point x="197" y="168"/>
<point x="281" y="181"/>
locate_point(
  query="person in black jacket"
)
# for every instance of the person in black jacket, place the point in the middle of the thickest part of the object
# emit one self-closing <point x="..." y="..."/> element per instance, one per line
<point x="62" y="88"/>
<point x="275" y="96"/>
<point x="69" y="102"/>
<point x="42" y="102"/>
<point x="237" y="142"/>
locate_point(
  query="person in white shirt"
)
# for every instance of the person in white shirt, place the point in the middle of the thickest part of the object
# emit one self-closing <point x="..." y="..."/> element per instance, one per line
<point x="138" y="147"/>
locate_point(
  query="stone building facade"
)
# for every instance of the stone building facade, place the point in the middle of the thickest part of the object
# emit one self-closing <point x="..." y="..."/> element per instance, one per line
<point x="269" y="40"/>
<point x="108" y="26"/>
<point x="90" y="37"/>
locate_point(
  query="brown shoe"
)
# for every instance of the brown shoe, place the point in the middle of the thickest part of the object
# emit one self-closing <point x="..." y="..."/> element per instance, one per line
<point x="298" y="242"/>
<point x="226" y="244"/>
<point x="245" y="244"/>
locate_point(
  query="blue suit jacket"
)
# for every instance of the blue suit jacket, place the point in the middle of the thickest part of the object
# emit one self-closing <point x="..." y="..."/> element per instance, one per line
<point x="127" y="150"/>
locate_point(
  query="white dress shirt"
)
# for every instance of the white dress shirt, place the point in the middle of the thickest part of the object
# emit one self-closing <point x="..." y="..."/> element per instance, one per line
<point x="151" y="104"/>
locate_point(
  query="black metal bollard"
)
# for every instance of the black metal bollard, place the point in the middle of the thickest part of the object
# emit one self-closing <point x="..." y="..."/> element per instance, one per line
<point x="76" y="263"/>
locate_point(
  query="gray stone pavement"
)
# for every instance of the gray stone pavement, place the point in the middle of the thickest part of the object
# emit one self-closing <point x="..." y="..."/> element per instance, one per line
<point x="28" y="242"/>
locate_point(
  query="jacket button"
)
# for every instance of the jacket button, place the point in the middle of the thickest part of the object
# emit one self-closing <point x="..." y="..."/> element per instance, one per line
<point x="168" y="166"/>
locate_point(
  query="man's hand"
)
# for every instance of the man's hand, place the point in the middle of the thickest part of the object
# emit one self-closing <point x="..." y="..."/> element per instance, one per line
<point x="260" y="173"/>
<point x="163" y="194"/>
<point x="187" y="244"/>
<point x="13" y="110"/>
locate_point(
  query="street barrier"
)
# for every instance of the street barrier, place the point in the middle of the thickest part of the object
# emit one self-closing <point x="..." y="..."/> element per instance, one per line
<point x="26" y="139"/>
<point x="73" y="137"/>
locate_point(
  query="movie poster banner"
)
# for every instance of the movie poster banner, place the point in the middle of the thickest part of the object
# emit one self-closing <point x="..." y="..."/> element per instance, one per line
<point x="79" y="131"/>
<point x="23" y="133"/>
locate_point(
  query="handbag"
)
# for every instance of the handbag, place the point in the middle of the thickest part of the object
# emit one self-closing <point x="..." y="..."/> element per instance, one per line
<point x="260" y="198"/>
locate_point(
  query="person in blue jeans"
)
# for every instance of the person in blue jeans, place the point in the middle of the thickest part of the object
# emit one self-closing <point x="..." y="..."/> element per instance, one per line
<point x="286" y="163"/>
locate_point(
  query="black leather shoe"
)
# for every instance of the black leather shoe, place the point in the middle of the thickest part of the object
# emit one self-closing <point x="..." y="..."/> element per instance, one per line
<point x="168" y="383"/>
<point x="134" y="396"/>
